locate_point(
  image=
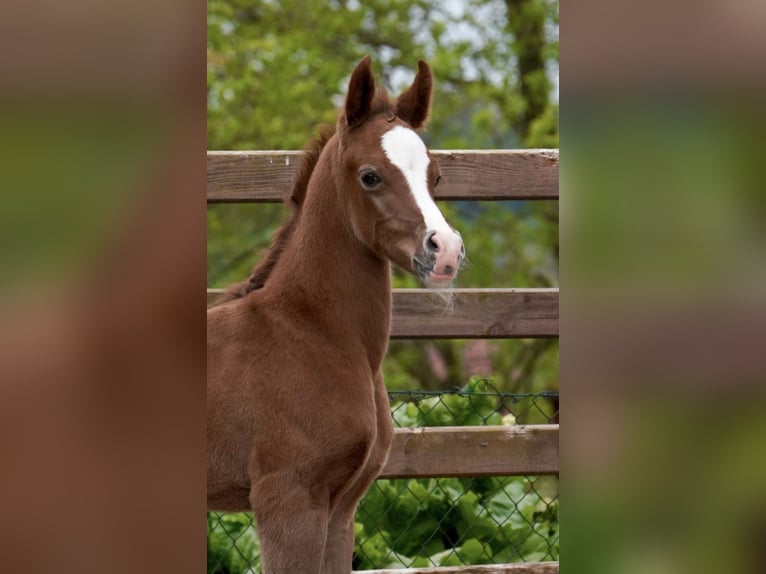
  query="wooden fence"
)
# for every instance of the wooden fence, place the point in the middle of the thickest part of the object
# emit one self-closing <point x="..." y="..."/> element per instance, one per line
<point x="265" y="176"/>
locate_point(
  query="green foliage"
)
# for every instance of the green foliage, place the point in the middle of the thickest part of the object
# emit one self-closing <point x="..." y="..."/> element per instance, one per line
<point x="544" y="129"/>
<point x="232" y="546"/>
<point x="473" y="406"/>
<point x="275" y="69"/>
<point x="238" y="233"/>
<point x="445" y="522"/>
<point x="424" y="522"/>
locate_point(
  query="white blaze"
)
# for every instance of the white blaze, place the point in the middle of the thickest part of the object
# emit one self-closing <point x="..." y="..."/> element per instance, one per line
<point x="407" y="151"/>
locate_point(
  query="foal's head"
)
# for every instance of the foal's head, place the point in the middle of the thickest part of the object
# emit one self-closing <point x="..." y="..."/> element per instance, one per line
<point x="388" y="178"/>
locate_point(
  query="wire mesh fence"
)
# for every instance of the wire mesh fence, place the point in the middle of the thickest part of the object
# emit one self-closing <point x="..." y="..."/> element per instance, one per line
<point x="435" y="521"/>
<point x="476" y="404"/>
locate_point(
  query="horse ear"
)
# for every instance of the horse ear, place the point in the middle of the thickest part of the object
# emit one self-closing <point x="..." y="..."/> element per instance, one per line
<point x="413" y="105"/>
<point x="361" y="88"/>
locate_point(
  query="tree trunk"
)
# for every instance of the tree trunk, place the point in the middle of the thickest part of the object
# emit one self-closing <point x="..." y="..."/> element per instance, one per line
<point x="526" y="21"/>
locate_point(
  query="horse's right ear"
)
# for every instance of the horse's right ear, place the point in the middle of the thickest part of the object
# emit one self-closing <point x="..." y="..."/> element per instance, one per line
<point x="413" y="105"/>
<point x="361" y="88"/>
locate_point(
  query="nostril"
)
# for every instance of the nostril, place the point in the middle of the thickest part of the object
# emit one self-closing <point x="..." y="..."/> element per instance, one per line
<point x="431" y="244"/>
<point x="449" y="269"/>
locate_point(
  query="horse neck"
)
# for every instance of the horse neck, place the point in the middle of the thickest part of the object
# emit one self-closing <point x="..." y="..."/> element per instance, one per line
<point x="330" y="275"/>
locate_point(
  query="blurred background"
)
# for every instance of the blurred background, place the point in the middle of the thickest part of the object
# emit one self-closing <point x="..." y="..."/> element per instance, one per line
<point x="663" y="254"/>
<point x="102" y="285"/>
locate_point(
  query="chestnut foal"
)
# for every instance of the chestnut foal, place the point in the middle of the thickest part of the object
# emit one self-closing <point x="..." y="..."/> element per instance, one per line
<point x="298" y="415"/>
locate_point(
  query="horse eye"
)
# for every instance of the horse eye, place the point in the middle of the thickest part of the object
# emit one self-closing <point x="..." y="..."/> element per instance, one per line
<point x="370" y="179"/>
<point x="437" y="180"/>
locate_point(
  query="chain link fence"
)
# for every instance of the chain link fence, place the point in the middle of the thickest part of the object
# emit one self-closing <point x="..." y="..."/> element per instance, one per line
<point x="438" y="521"/>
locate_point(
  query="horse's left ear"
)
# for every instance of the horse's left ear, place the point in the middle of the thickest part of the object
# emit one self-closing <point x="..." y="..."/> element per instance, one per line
<point x="413" y="105"/>
<point x="361" y="88"/>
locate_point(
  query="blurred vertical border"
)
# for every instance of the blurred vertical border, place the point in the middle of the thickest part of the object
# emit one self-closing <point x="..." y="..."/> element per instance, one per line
<point x="102" y="286"/>
<point x="663" y="276"/>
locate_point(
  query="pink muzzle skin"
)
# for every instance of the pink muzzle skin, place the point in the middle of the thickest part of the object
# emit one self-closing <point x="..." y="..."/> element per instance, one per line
<point x="448" y="251"/>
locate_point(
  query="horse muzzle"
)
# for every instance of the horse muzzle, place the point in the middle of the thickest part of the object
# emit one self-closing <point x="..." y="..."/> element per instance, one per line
<point x="444" y="251"/>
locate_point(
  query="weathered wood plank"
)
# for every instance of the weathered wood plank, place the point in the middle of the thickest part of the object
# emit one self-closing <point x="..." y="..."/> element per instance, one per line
<point x="516" y="568"/>
<point x="266" y="176"/>
<point x="250" y="176"/>
<point x="473" y="451"/>
<point x="474" y="313"/>
<point x="498" y="174"/>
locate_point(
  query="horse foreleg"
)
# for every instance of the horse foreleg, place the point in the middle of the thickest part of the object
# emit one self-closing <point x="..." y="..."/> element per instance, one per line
<point x="339" y="550"/>
<point x="291" y="521"/>
<point x="340" y="530"/>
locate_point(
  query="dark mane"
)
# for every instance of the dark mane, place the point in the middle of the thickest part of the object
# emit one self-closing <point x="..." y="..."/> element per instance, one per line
<point x="262" y="270"/>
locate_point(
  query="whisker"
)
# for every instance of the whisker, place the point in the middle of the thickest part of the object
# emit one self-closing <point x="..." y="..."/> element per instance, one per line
<point x="446" y="294"/>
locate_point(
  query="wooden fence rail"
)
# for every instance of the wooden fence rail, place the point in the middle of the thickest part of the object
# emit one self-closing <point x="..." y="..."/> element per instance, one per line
<point x="473" y="451"/>
<point x="518" y="568"/>
<point x="473" y="314"/>
<point x="266" y="176"/>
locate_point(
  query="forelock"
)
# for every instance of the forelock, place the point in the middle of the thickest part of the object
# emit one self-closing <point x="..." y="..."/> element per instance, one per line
<point x="382" y="104"/>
